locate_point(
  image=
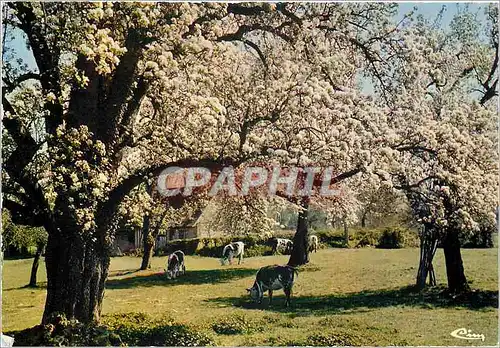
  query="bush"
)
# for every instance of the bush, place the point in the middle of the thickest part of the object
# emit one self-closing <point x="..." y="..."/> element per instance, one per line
<point x="481" y="239"/>
<point x="235" y="325"/>
<point x="131" y="329"/>
<point x="338" y="338"/>
<point x="258" y="250"/>
<point x="397" y="237"/>
<point x="62" y="332"/>
<point x="134" y="252"/>
<point x="138" y="329"/>
<point x="365" y="237"/>
<point x="332" y="238"/>
<point x="212" y="247"/>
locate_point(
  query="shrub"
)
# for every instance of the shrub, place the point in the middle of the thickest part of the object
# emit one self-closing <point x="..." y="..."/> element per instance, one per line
<point x="235" y="325"/>
<point x="397" y="237"/>
<point x="132" y="329"/>
<point x="138" y="329"/>
<point x="134" y="252"/>
<point x="337" y="338"/>
<point x="365" y="237"/>
<point x="62" y="332"/>
<point x="212" y="247"/>
<point x="332" y="238"/>
<point x="481" y="239"/>
<point x="258" y="250"/>
<point x="282" y="341"/>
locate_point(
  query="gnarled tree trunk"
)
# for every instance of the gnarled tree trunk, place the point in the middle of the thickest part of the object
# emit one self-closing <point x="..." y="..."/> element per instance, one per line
<point x="300" y="251"/>
<point x="36" y="261"/>
<point x="457" y="282"/>
<point x="77" y="269"/>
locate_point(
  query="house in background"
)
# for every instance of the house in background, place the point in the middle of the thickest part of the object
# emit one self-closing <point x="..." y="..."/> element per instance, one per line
<point x="198" y="226"/>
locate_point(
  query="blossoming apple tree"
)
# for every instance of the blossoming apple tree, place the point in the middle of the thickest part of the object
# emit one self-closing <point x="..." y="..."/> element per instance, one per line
<point x="442" y="153"/>
<point x="128" y="89"/>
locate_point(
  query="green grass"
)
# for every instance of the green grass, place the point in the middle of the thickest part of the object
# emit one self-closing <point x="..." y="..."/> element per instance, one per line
<point x="342" y="296"/>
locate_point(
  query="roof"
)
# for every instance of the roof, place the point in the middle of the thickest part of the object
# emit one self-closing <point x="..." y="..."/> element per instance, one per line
<point x="191" y="222"/>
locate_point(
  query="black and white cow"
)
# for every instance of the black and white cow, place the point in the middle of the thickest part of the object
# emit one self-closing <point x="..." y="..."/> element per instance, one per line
<point x="175" y="265"/>
<point x="313" y="243"/>
<point x="232" y="250"/>
<point x="273" y="278"/>
<point x="281" y="244"/>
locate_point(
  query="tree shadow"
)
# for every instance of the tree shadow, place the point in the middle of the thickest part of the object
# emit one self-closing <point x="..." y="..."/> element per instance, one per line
<point x="39" y="286"/>
<point x="122" y="272"/>
<point x="367" y="300"/>
<point x="211" y="276"/>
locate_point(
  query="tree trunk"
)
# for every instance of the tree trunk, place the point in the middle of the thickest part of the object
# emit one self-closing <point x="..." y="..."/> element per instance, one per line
<point x="147" y="240"/>
<point x="300" y="251"/>
<point x="77" y="269"/>
<point x="363" y="220"/>
<point x="346" y="233"/>
<point x="454" y="266"/>
<point x="36" y="261"/>
<point x="147" y="243"/>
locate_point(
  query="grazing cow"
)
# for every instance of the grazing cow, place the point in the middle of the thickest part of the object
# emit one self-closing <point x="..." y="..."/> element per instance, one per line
<point x="281" y="244"/>
<point x="175" y="265"/>
<point x="232" y="250"/>
<point x="313" y="243"/>
<point x="273" y="278"/>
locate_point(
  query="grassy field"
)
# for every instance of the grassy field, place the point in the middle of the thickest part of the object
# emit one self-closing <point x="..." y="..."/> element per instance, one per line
<point x="361" y="292"/>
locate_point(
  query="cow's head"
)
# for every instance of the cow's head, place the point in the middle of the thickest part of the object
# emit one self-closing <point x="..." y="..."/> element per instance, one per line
<point x="172" y="266"/>
<point x="227" y="257"/>
<point x="172" y="271"/>
<point x="254" y="293"/>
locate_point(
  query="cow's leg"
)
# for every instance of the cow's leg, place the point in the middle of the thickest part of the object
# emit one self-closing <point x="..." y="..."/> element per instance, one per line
<point x="270" y="292"/>
<point x="240" y="259"/>
<point x="288" y="292"/>
<point x="261" y="292"/>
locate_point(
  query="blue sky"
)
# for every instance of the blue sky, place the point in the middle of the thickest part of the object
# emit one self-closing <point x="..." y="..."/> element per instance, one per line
<point x="428" y="10"/>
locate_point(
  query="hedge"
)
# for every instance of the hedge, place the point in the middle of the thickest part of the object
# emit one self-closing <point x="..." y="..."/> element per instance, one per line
<point x="212" y="247"/>
<point x="389" y="238"/>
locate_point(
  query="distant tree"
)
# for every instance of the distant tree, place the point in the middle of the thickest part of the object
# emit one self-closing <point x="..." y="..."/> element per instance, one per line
<point x="24" y="238"/>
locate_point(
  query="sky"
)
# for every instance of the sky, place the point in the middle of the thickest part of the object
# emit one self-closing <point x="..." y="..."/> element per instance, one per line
<point x="428" y="10"/>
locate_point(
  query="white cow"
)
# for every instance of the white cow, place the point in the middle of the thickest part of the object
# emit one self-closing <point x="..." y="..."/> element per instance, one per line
<point x="281" y="244"/>
<point x="232" y="250"/>
<point x="313" y="243"/>
<point x="175" y="265"/>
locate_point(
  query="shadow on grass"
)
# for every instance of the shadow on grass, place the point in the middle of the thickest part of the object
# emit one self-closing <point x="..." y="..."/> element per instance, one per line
<point x="211" y="276"/>
<point x="122" y="272"/>
<point x="367" y="300"/>
<point x="39" y="286"/>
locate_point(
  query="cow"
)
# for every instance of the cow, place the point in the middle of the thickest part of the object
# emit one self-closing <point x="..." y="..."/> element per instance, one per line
<point x="273" y="278"/>
<point x="175" y="265"/>
<point x="313" y="243"/>
<point x="281" y="244"/>
<point x="232" y="250"/>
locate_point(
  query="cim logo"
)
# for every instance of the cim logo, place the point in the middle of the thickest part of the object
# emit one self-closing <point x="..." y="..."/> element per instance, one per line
<point x="465" y="334"/>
